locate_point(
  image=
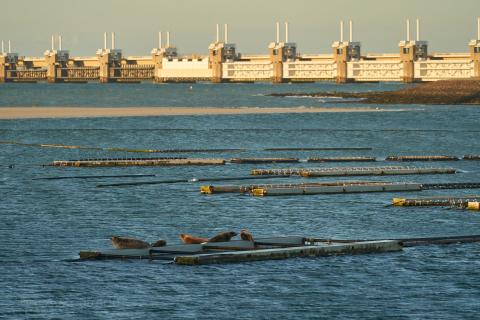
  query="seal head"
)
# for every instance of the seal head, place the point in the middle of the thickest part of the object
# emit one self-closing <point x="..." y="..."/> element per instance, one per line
<point x="246" y="235"/>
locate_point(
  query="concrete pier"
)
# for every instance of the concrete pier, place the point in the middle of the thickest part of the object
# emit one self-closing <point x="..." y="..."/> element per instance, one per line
<point x="319" y="250"/>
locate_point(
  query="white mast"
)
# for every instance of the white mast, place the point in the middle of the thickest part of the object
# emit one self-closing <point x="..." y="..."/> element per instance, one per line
<point x="418" y="29"/>
<point x="341" y="30"/>
<point x="478" y="28"/>
<point x="105" y="41"/>
<point x="53" y="42"/>
<point x="9" y="47"/>
<point x="226" y="33"/>
<point x="351" y="31"/>
<point x="113" y="40"/>
<point x="218" y="33"/>
<point x="60" y="43"/>
<point x="168" y="39"/>
<point x="278" y="32"/>
<point x="408" y="29"/>
<point x="286" y="32"/>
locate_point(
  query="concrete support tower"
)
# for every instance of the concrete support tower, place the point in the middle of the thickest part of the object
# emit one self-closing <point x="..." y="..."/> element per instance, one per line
<point x="109" y="60"/>
<point x="475" y="52"/>
<point x="3" y="64"/>
<point x="8" y="61"/>
<point x="161" y="53"/>
<point x="56" y="60"/>
<point x="411" y="51"/>
<point x="220" y="52"/>
<point x="345" y="51"/>
<point x="281" y="52"/>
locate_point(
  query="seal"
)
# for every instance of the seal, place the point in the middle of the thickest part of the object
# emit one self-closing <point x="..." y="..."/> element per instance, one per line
<point x="245" y="235"/>
<point x="159" y="243"/>
<point x="223" y="237"/>
<point x="188" y="239"/>
<point x="128" y="243"/>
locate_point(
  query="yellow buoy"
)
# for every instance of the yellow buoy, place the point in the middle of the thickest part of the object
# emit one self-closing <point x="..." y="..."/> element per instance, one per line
<point x="258" y="192"/>
<point x="398" y="201"/>
<point x="475" y="205"/>
<point x="206" y="189"/>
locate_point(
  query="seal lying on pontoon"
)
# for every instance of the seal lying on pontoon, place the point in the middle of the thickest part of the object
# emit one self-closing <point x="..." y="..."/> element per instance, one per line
<point x="223" y="237"/>
<point x="159" y="243"/>
<point x="188" y="239"/>
<point x="131" y="243"/>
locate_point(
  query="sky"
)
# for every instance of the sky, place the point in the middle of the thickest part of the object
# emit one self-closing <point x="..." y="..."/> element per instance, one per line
<point x="379" y="25"/>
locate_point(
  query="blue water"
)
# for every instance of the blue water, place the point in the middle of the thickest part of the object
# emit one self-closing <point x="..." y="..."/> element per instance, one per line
<point x="45" y="223"/>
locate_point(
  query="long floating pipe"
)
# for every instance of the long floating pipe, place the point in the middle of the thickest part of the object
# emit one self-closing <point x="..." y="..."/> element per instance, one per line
<point x="412" y="242"/>
<point x="140" y="183"/>
<point x="43" y="145"/>
<point x="97" y="177"/>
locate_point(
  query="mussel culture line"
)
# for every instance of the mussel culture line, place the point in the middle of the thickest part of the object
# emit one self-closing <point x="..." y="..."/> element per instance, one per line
<point x="173" y="161"/>
<point x="203" y="251"/>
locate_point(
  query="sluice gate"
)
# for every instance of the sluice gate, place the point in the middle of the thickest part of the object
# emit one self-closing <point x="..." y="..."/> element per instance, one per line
<point x="223" y="63"/>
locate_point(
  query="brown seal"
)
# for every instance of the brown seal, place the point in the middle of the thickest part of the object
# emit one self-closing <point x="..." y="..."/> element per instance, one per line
<point x="159" y="243"/>
<point x="188" y="239"/>
<point x="245" y="235"/>
<point x="129" y="243"/>
<point x="223" y="237"/>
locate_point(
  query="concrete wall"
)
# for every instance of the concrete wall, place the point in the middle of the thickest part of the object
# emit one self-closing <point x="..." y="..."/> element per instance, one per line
<point x="185" y="68"/>
<point x="402" y="66"/>
<point x="310" y="70"/>
<point x="434" y="70"/>
<point x="248" y="71"/>
<point x="381" y="70"/>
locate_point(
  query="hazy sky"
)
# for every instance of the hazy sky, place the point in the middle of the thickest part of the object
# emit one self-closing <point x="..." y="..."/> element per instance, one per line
<point x="379" y="24"/>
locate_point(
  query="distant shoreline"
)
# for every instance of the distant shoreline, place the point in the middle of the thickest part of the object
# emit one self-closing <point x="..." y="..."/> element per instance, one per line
<point x="445" y="92"/>
<point x="97" y="112"/>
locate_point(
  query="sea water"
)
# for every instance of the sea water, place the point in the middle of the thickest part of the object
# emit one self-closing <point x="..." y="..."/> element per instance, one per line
<point x="45" y="223"/>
